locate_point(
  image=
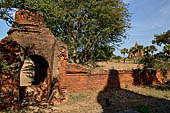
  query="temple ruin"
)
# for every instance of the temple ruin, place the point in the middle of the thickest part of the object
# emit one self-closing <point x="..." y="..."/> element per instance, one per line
<point x="137" y="54"/>
<point x="39" y="61"/>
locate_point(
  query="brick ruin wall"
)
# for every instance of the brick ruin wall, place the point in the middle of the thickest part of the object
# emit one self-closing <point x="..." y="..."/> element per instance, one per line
<point x="9" y="78"/>
<point x="27" y="41"/>
<point x="80" y="80"/>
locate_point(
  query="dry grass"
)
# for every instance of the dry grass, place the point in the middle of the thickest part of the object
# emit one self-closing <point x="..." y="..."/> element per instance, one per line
<point x="119" y="65"/>
<point x="150" y="100"/>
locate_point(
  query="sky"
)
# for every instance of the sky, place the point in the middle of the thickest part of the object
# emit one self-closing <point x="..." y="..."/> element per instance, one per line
<point x="148" y="17"/>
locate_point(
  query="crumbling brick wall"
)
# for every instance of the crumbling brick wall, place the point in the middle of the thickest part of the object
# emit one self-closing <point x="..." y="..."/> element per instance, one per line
<point x="9" y="76"/>
<point x="80" y="79"/>
<point x="39" y="44"/>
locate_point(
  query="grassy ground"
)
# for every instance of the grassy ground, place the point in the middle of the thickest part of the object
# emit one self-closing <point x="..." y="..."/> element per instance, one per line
<point x="119" y="65"/>
<point x="142" y="99"/>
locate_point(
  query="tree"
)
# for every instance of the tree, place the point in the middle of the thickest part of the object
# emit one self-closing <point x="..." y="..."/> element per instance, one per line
<point x="166" y="49"/>
<point x="90" y="28"/>
<point x="152" y="49"/>
<point x="147" y="50"/>
<point x="140" y="47"/>
<point x="140" y="50"/>
<point x="124" y="51"/>
<point x="134" y="50"/>
<point x="163" y="38"/>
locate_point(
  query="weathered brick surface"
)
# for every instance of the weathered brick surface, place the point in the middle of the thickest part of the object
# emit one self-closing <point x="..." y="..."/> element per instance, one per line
<point x="9" y="79"/>
<point x="111" y="79"/>
<point x="48" y="54"/>
<point x="76" y="68"/>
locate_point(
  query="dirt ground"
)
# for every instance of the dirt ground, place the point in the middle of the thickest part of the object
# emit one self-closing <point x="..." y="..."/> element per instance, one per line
<point x="141" y="99"/>
<point x="119" y="65"/>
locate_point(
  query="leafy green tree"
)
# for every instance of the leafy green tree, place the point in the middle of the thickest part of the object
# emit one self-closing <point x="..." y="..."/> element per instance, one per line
<point x="158" y="61"/>
<point x="140" y="49"/>
<point x="124" y="51"/>
<point x="152" y="49"/>
<point x="166" y="49"/>
<point x="90" y="28"/>
<point x="147" y="50"/>
<point x="134" y="50"/>
<point x="148" y="61"/>
<point x="163" y="38"/>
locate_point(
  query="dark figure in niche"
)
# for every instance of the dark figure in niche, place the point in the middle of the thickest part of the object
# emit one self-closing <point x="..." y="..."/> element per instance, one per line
<point x="108" y="101"/>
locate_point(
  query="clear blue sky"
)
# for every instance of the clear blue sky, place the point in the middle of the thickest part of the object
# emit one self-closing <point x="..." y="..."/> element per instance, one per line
<point x="148" y="17"/>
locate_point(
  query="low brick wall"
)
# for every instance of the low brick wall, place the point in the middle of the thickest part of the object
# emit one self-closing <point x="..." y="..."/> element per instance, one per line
<point x="110" y="79"/>
<point x="81" y="82"/>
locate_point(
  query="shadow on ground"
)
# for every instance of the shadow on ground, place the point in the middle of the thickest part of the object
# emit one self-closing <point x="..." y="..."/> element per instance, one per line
<point x="113" y="99"/>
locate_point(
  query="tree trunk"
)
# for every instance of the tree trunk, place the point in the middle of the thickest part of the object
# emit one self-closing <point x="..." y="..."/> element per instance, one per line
<point x="124" y="58"/>
<point x="74" y="52"/>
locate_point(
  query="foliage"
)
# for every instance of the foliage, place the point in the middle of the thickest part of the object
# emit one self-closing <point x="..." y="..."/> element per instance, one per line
<point x="133" y="50"/>
<point x="117" y="57"/>
<point x="163" y="38"/>
<point x="166" y="49"/>
<point x="163" y="57"/>
<point x="6" y="11"/>
<point x="90" y="28"/>
<point x="148" y="62"/>
<point x="162" y="64"/>
<point x="150" y="49"/>
<point x="4" y="65"/>
<point x="143" y="109"/>
<point x="124" y="51"/>
<point x="155" y="62"/>
<point x="140" y="48"/>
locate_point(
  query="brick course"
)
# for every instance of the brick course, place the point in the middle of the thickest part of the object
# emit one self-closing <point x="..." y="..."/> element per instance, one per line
<point x="110" y="79"/>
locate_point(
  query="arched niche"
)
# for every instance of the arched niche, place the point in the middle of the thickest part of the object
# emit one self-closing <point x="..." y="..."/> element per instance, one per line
<point x="35" y="75"/>
<point x="41" y="69"/>
<point x="34" y="71"/>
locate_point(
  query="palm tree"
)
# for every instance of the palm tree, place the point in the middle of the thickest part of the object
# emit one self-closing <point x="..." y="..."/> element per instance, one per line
<point x="134" y="50"/>
<point x="124" y="51"/>
<point x="140" y="50"/>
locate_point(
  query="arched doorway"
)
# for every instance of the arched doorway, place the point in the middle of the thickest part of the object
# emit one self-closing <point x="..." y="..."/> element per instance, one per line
<point x="35" y="75"/>
<point x="34" y="71"/>
<point x="41" y="69"/>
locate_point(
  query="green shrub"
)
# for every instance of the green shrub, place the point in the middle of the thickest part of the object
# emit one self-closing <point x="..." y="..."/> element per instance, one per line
<point x="4" y="65"/>
<point x="142" y="109"/>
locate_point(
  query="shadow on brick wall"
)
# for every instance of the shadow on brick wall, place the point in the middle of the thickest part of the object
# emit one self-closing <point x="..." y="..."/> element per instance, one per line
<point x="144" y="77"/>
<point x="114" y="99"/>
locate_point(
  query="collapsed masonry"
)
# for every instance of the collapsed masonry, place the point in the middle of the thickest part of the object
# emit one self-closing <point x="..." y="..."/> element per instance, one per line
<point x="30" y="42"/>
